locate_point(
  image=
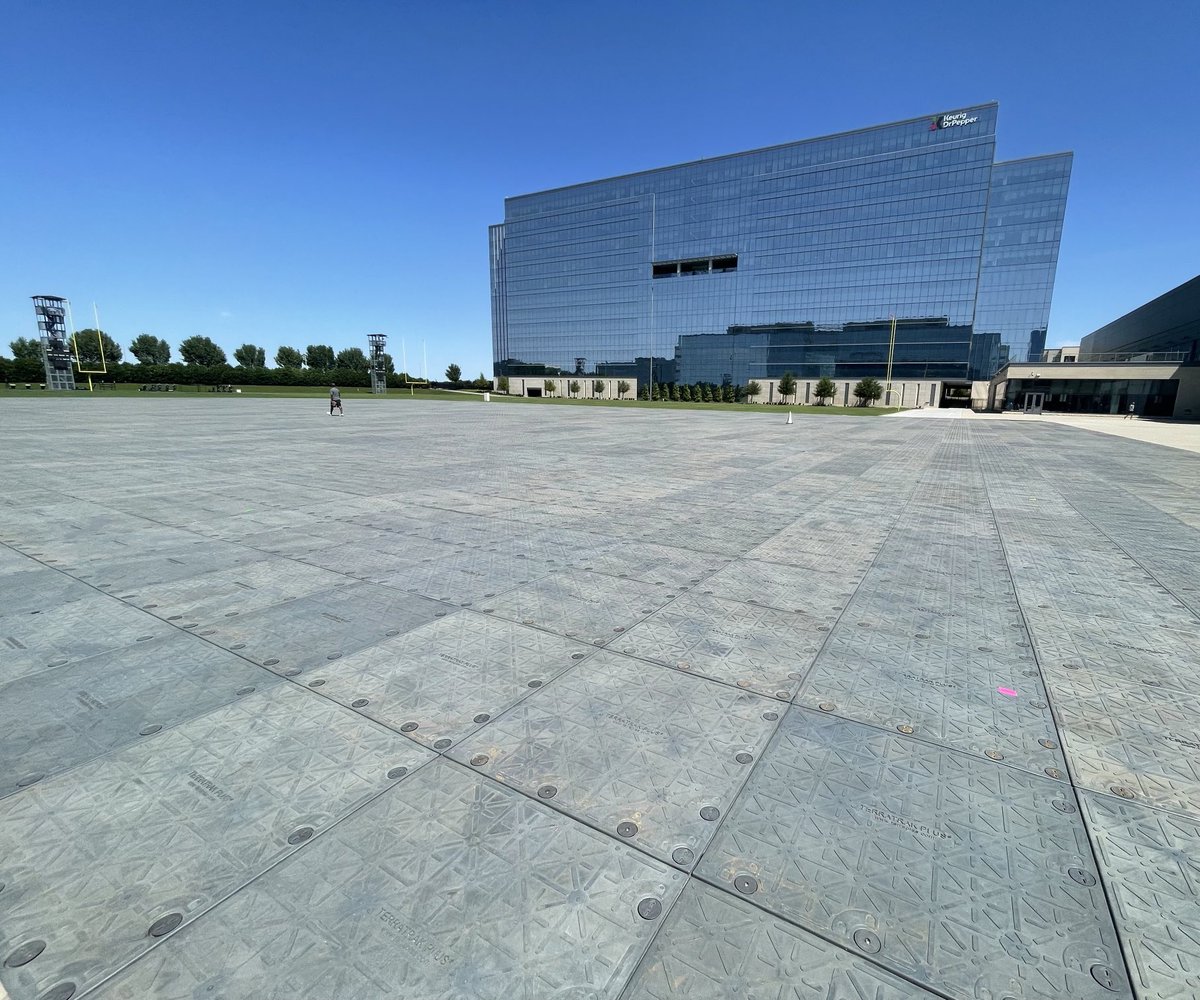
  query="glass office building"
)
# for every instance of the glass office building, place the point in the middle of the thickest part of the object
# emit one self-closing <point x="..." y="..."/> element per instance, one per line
<point x="793" y="258"/>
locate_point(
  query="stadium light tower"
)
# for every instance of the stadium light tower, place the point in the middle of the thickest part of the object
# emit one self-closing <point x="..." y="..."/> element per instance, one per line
<point x="378" y="362"/>
<point x="51" y="312"/>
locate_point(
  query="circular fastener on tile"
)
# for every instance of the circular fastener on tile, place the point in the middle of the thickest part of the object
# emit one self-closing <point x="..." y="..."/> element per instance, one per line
<point x="535" y="684"/>
<point x="683" y="856"/>
<point x="479" y="759"/>
<point x="794" y="676"/>
<point x="1123" y="792"/>
<point x="746" y="885"/>
<point x="317" y="683"/>
<point x="245" y="690"/>
<point x="409" y="727"/>
<point x="993" y="755"/>
<point x="626" y="829"/>
<point x="1037" y="704"/>
<point x="397" y="772"/>
<point x="270" y="663"/>
<point x="25" y="954"/>
<point x="743" y="757"/>
<point x="482" y="717"/>
<point x="783" y="696"/>
<point x="1062" y="806"/>
<point x="58" y="662"/>
<point x="1048" y="744"/>
<point x="906" y="729"/>
<point x="1106" y="977"/>
<point x="165" y="924"/>
<point x="710" y="813"/>
<point x="238" y="645"/>
<point x="63" y="991"/>
<point x="149" y="730"/>
<point x="30" y="779"/>
<point x="867" y="941"/>
<point x="299" y="836"/>
<point x="1081" y="876"/>
<point x="1053" y="772"/>
<point x="827" y="706"/>
<point x="770" y="716"/>
<point x="442" y="744"/>
<point x="649" y="908"/>
<point x="144" y="638"/>
<point x="292" y="672"/>
<point x="547" y="792"/>
<point x="334" y="656"/>
<point x="578" y="656"/>
<point x="439" y="614"/>
<point x="360" y="702"/>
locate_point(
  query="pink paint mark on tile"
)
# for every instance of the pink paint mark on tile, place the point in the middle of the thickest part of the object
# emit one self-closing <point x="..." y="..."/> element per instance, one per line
<point x="1007" y="691"/>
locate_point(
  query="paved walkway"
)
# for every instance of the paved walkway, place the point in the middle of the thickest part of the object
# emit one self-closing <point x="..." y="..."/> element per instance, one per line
<point x="461" y="702"/>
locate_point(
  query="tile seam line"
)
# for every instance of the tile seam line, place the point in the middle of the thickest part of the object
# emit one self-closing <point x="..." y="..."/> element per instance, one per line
<point x="1109" y="901"/>
<point x="1121" y="548"/>
<point x="353" y="811"/>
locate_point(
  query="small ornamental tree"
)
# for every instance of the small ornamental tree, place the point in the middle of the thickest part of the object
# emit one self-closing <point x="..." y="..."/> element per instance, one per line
<point x="453" y="374"/>
<point x="727" y="393"/>
<point x="550" y="387"/>
<point x="573" y="389"/>
<point x="753" y="391"/>
<point x="674" y="393"/>
<point x="644" y="396"/>
<point x="598" y="389"/>
<point x="502" y="384"/>
<point x="867" y="390"/>
<point x="685" y="393"/>
<point x="824" y="389"/>
<point x="787" y="386"/>
<point x="705" y="394"/>
<point x="622" y="388"/>
<point x="654" y="393"/>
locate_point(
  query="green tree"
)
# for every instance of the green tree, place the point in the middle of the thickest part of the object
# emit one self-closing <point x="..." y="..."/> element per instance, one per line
<point x="453" y="374"/>
<point x="674" y="393"/>
<point x="352" y="359"/>
<point x="622" y="388"/>
<point x="824" y="389"/>
<point x="502" y="384"/>
<point x="550" y="386"/>
<point x="685" y="393"/>
<point x="753" y="390"/>
<point x="654" y="396"/>
<point x="201" y="351"/>
<point x="319" y="357"/>
<point x="389" y="366"/>
<point x="787" y="386"/>
<point x="727" y="395"/>
<point x="289" y="357"/>
<point x="598" y="388"/>
<point x="867" y="390"/>
<point x="250" y="356"/>
<point x="87" y="343"/>
<point x="150" y="350"/>
<point x="705" y="394"/>
<point x="573" y="388"/>
<point x="26" y="349"/>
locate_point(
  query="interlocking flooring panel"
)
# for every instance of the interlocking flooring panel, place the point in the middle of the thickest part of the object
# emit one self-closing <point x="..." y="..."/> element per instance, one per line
<point x="714" y="946"/>
<point x="967" y="876"/>
<point x="1151" y="865"/>
<point x="43" y="640"/>
<point x="648" y="754"/>
<point x="29" y="591"/>
<point x="1158" y="655"/>
<point x="588" y="606"/>
<point x="971" y="705"/>
<point x="98" y="862"/>
<point x="309" y="631"/>
<point x="448" y="887"/>
<point x="1129" y="739"/>
<point x="227" y="593"/>
<point x="123" y="574"/>
<point x="444" y="680"/>
<point x="463" y="582"/>
<point x="49" y="724"/>
<point x="748" y="645"/>
<point x="788" y="588"/>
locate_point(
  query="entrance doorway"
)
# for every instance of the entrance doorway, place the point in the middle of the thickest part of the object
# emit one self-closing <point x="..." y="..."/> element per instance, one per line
<point x="1033" y="402"/>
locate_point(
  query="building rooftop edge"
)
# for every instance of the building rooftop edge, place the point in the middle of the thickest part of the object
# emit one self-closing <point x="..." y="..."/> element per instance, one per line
<point x="745" y="152"/>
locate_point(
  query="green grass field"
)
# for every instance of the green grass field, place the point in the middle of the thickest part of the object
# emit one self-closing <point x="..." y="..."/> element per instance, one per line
<point x="364" y="395"/>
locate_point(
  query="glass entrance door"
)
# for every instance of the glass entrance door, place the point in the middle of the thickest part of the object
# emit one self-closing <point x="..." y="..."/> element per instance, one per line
<point x="1033" y="402"/>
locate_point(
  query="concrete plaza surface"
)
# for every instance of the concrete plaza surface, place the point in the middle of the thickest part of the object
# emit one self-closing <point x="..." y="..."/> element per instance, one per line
<point x="464" y="701"/>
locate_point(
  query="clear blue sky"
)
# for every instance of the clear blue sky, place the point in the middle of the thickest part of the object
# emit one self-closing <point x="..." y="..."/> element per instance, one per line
<point x="300" y="172"/>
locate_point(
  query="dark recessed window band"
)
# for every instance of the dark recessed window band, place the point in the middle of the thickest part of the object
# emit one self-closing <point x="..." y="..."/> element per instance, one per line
<point x="696" y="265"/>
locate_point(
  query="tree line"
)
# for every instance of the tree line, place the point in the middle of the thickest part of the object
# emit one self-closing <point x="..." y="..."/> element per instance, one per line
<point x="866" y="390"/>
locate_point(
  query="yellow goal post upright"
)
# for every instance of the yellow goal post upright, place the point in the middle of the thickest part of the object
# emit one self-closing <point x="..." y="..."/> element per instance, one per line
<point x="89" y="372"/>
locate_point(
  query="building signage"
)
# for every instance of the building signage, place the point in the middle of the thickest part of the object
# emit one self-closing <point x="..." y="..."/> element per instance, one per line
<point x="951" y="121"/>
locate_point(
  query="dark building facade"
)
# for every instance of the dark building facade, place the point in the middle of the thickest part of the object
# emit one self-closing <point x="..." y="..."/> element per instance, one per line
<point x="791" y="258"/>
<point x="1169" y="324"/>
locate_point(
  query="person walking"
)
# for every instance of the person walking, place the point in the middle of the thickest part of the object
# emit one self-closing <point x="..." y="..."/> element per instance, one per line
<point x="1129" y="412"/>
<point x="335" y="400"/>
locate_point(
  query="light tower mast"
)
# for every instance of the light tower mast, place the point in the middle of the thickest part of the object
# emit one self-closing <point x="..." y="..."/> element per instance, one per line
<point x="378" y="362"/>
<point x="51" y="312"/>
